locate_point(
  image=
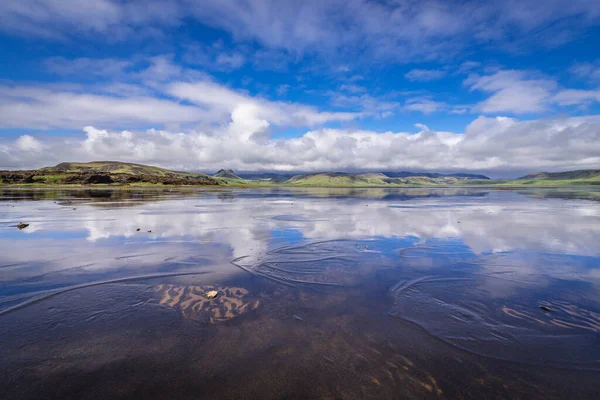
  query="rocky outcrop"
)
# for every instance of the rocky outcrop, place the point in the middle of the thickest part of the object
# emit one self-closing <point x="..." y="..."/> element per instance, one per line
<point x="77" y="178"/>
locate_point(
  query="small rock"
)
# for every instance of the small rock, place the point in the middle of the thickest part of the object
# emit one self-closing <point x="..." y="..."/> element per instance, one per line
<point x="138" y="229"/>
<point x="21" y="225"/>
<point x="544" y="308"/>
<point x="211" y="294"/>
<point x="149" y="231"/>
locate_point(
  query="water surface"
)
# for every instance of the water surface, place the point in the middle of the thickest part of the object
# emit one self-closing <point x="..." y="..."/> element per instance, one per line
<point x="323" y="293"/>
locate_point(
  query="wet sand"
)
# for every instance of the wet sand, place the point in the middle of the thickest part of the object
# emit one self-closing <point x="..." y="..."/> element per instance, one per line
<point x="336" y="302"/>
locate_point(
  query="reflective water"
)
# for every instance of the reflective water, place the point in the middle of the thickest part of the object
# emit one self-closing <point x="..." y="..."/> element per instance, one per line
<point x="334" y="293"/>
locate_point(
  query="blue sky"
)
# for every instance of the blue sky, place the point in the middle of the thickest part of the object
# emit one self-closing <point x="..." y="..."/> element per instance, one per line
<point x="500" y="87"/>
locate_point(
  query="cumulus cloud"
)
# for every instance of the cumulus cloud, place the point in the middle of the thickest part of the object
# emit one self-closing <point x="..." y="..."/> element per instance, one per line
<point x="27" y="143"/>
<point x="487" y="144"/>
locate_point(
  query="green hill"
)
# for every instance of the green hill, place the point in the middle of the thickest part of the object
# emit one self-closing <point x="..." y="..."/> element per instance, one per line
<point x="579" y="177"/>
<point x="338" y="179"/>
<point x="116" y="167"/>
<point x="105" y="172"/>
<point x="579" y="174"/>
<point x="369" y="179"/>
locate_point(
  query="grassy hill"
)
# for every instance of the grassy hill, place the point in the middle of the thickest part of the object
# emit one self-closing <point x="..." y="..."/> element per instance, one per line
<point x="115" y="167"/>
<point x="408" y="174"/>
<point x="579" y="177"/>
<point x="370" y="179"/>
<point x="105" y="172"/>
<point x="338" y="179"/>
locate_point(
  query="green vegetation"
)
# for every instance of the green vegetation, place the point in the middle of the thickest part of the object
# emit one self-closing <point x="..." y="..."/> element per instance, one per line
<point x="568" y="178"/>
<point x="115" y="167"/>
<point x="49" y="179"/>
<point x="583" y="174"/>
<point x="370" y="179"/>
<point x="111" y="173"/>
<point x="338" y="179"/>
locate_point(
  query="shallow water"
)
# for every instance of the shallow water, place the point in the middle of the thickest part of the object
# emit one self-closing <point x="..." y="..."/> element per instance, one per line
<point x="323" y="293"/>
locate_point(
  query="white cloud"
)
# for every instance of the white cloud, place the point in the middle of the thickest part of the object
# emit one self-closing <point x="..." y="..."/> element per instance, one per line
<point x="60" y="19"/>
<point x="586" y="70"/>
<point x="488" y="144"/>
<point x="28" y="143"/>
<point x="233" y="61"/>
<point x="467" y="67"/>
<point x="49" y="108"/>
<point x="398" y="30"/>
<point x="424" y="75"/>
<point x="523" y="92"/>
<point x="351" y="88"/>
<point x="160" y="94"/>
<point x="424" y="105"/>
<point x="280" y="113"/>
<point x="513" y="91"/>
<point x="572" y="97"/>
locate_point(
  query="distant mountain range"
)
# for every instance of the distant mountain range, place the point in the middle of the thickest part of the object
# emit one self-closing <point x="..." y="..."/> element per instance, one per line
<point x="406" y="174"/>
<point x="372" y="179"/>
<point x="121" y="173"/>
<point x="279" y="177"/>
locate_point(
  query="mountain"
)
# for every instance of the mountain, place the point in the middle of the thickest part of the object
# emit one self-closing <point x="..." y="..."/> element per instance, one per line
<point x="406" y="174"/>
<point x="105" y="172"/>
<point x="227" y="173"/>
<point x="274" y="177"/>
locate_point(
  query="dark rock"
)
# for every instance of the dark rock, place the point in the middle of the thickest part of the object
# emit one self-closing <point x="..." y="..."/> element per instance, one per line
<point x="99" y="178"/>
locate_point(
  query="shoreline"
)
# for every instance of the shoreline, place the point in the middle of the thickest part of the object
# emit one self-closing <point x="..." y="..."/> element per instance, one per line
<point x="500" y="186"/>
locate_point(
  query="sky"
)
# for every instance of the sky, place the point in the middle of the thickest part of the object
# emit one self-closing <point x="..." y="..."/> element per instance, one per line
<point x="496" y="87"/>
